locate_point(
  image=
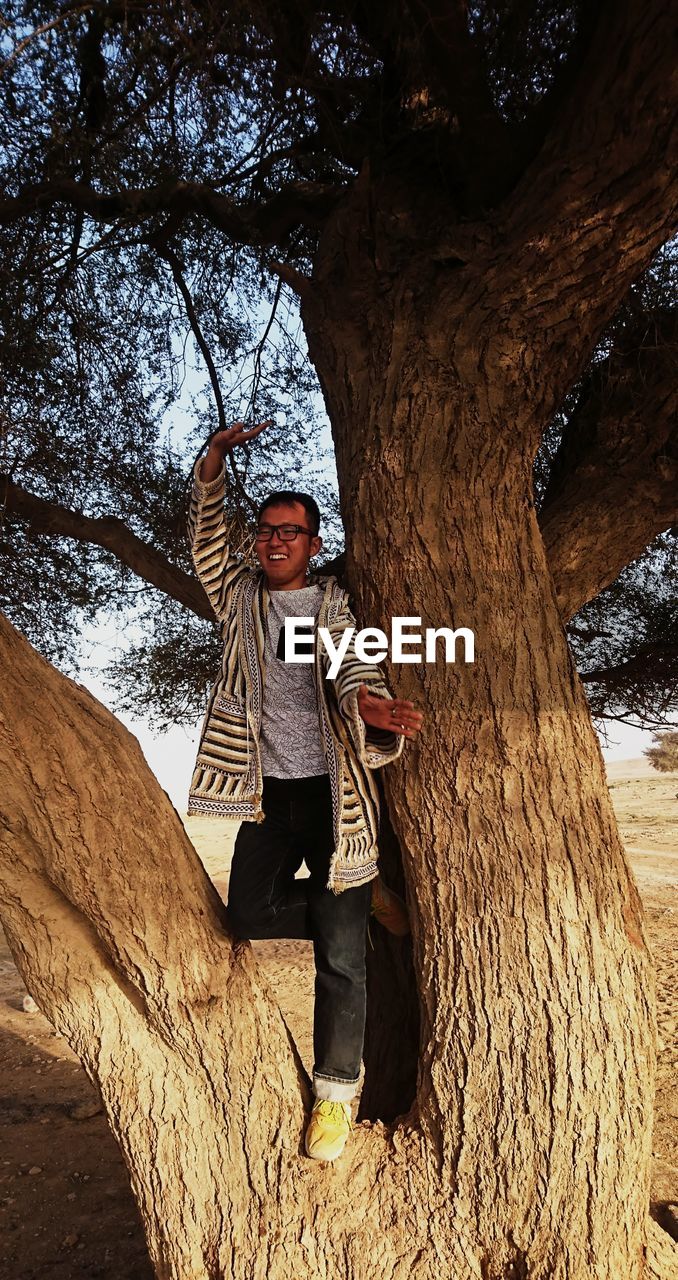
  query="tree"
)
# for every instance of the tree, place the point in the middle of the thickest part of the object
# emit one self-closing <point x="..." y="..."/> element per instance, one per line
<point x="96" y="360"/>
<point x="663" y="754"/>
<point x="462" y="199"/>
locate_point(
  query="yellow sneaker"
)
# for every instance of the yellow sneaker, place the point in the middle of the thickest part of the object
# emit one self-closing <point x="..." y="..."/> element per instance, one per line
<point x="328" y="1129"/>
<point x="389" y="909"/>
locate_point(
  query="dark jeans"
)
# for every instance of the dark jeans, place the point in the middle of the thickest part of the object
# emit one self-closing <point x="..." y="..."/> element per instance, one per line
<point x="265" y="901"/>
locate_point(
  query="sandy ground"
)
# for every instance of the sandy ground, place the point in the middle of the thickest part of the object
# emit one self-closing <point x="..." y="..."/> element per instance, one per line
<point x="66" y="1211"/>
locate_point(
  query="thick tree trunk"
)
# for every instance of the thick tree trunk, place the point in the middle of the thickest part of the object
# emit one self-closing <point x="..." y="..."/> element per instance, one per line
<point x="118" y="934"/>
<point x="442" y="348"/>
<point x="525" y="1152"/>
<point x="537" y="1046"/>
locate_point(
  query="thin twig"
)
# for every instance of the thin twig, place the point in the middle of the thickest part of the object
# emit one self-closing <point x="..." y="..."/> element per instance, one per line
<point x="163" y="250"/>
<point x="39" y="31"/>
<point x="159" y="243"/>
<point x="260" y="346"/>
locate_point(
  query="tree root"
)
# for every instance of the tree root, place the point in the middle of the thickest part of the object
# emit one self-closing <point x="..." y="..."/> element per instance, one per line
<point x="661" y="1261"/>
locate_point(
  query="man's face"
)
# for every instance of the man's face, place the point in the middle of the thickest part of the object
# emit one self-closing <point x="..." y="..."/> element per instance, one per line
<point x="285" y="563"/>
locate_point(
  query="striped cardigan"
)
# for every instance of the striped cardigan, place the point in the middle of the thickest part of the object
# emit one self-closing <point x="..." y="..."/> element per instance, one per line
<point x="227" y="777"/>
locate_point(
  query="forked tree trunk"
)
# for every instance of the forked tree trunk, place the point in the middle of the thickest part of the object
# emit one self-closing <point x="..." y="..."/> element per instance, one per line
<point x="536" y="1064"/>
<point x="525" y="1153"/>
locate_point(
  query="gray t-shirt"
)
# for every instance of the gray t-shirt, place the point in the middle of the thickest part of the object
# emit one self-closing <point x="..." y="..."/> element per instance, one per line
<point x="290" y="741"/>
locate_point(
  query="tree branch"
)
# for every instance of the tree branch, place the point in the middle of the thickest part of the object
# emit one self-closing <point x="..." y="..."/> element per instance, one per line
<point x="296" y="280"/>
<point x="663" y="656"/>
<point x="61" y="18"/>
<point x="638" y="690"/>
<point x="598" y="201"/>
<point x="380" y="25"/>
<point x="455" y="65"/>
<point x="253" y="223"/>
<point x="112" y="534"/>
<point x="298" y="65"/>
<point x="613" y="485"/>
<point x="162" y="248"/>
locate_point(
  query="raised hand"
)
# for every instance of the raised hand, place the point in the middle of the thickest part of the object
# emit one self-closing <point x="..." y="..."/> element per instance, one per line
<point x="396" y="714"/>
<point x="223" y="441"/>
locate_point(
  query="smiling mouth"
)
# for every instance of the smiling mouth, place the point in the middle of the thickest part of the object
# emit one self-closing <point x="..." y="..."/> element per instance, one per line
<point x="277" y="555"/>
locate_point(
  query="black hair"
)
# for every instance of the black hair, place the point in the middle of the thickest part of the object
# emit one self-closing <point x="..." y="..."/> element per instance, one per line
<point x="290" y="495"/>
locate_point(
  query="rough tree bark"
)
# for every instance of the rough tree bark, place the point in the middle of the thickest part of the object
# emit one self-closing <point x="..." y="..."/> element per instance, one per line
<point x="619" y="453"/>
<point x="440" y="370"/>
<point x="534" y="1094"/>
<point x="525" y="1152"/>
<point x="120" y="936"/>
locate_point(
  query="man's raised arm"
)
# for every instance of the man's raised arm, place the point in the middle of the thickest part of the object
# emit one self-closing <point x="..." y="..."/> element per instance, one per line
<point x="217" y="568"/>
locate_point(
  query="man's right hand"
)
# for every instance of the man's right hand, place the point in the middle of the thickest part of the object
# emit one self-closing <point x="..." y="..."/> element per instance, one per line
<point x="222" y="442"/>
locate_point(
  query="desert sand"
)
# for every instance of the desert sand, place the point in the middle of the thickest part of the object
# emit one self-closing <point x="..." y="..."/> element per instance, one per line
<point x="66" y="1211"/>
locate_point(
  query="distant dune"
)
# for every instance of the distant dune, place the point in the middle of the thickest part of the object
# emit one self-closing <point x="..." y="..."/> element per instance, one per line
<point x="638" y="768"/>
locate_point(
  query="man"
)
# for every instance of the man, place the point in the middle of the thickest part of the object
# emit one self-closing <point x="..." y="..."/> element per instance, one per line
<point x="292" y="754"/>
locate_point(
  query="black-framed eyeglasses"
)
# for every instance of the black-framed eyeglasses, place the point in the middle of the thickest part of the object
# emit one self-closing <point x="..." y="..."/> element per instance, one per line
<point x="286" y="532"/>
